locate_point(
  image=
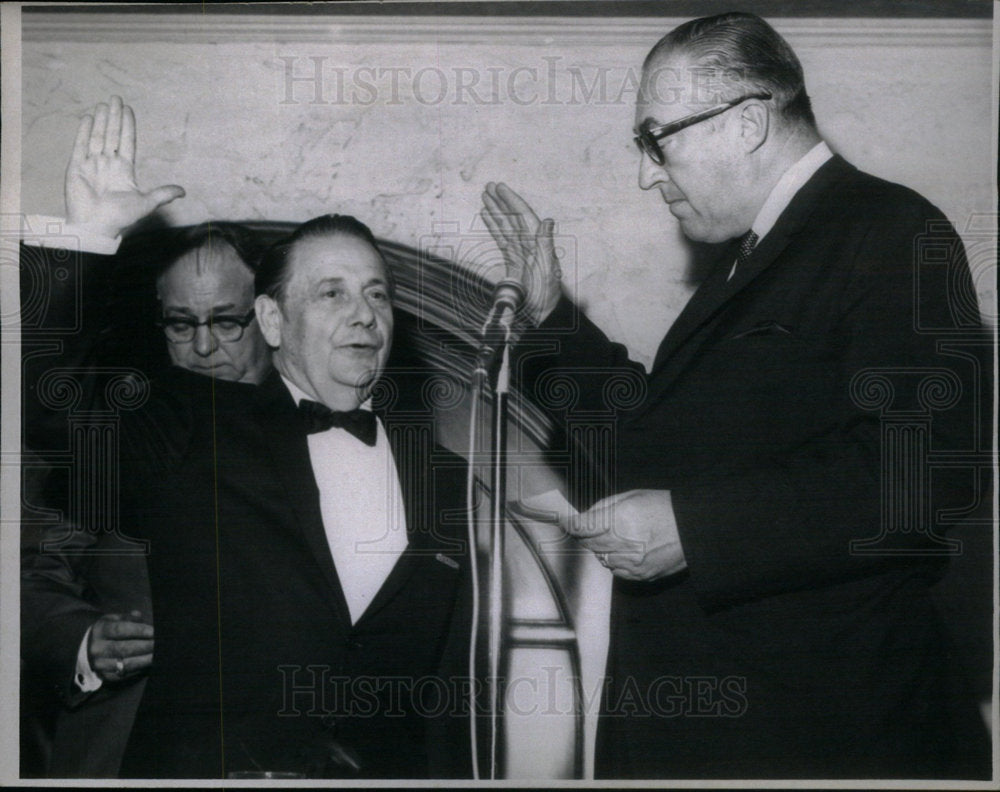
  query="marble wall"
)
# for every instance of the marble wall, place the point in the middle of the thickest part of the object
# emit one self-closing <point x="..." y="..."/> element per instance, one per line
<point x="402" y="122"/>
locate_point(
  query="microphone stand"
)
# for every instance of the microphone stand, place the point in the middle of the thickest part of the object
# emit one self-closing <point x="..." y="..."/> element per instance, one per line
<point x="492" y="376"/>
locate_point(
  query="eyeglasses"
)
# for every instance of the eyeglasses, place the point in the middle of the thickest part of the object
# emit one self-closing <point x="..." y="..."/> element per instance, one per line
<point x="226" y="329"/>
<point x="649" y="135"/>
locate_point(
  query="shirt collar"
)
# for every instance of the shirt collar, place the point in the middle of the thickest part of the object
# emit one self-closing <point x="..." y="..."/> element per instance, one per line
<point x="298" y="394"/>
<point x="790" y="183"/>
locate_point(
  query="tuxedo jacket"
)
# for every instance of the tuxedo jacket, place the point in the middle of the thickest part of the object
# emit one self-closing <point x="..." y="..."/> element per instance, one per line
<point x="793" y="412"/>
<point x="257" y="665"/>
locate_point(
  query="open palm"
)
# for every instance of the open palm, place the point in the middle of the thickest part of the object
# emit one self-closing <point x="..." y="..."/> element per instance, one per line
<point x="101" y="189"/>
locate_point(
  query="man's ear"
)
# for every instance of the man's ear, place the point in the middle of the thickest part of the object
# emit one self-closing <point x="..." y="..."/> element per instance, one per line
<point x="754" y="124"/>
<point x="269" y="317"/>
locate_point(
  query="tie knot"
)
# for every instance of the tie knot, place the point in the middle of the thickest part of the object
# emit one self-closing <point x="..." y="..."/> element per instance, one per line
<point x="747" y="243"/>
<point x="318" y="418"/>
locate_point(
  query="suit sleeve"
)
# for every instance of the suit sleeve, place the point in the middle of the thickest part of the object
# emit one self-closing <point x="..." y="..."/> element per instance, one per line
<point x="69" y="370"/>
<point x="62" y="312"/>
<point x="56" y="609"/>
<point x="569" y="368"/>
<point x="803" y="518"/>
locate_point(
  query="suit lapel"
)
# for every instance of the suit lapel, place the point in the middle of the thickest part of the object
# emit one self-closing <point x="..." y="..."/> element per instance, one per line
<point x="293" y="468"/>
<point x="411" y="450"/>
<point x="716" y="291"/>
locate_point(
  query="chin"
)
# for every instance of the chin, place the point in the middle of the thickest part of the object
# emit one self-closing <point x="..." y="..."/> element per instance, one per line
<point x="698" y="233"/>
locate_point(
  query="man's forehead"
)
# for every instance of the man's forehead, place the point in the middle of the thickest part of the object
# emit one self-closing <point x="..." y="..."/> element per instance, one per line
<point x="672" y="86"/>
<point x="211" y="258"/>
<point x="215" y="270"/>
<point x="334" y="257"/>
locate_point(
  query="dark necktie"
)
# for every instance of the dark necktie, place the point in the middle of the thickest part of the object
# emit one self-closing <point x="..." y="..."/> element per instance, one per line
<point x="747" y="243"/>
<point x="318" y="418"/>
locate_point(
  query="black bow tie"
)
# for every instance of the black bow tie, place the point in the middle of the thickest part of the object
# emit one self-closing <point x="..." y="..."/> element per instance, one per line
<point x="318" y="418"/>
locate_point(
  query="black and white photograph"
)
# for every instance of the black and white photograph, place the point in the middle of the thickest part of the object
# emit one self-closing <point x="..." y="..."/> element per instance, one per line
<point x="484" y="393"/>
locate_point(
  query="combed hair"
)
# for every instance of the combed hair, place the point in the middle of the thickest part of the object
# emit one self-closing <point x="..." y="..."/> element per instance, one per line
<point x="740" y="53"/>
<point x="274" y="271"/>
<point x="245" y="242"/>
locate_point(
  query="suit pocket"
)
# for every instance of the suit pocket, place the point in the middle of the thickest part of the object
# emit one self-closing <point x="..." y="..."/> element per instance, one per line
<point x="768" y="327"/>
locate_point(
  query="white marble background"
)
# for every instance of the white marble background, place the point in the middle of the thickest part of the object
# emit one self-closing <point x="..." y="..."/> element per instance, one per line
<point x="910" y="101"/>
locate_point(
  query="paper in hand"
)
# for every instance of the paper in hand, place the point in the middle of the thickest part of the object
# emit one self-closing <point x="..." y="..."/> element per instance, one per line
<point x="550" y="506"/>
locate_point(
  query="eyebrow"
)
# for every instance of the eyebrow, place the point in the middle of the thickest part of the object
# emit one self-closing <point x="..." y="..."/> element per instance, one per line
<point x="188" y="312"/>
<point x="340" y="281"/>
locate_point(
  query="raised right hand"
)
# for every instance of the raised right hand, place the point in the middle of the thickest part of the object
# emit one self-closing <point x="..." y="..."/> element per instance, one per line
<point x="100" y="179"/>
<point x="121" y="645"/>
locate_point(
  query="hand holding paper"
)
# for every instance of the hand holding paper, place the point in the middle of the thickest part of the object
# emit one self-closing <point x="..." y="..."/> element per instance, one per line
<point x="634" y="534"/>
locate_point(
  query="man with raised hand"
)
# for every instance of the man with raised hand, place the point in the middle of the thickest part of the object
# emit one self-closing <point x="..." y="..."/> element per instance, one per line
<point x="773" y="550"/>
<point x="86" y="616"/>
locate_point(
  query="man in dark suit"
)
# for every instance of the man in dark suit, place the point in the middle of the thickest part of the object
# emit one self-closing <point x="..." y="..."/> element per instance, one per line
<point x="772" y="517"/>
<point x="306" y="581"/>
<point x="306" y="584"/>
<point x="86" y="633"/>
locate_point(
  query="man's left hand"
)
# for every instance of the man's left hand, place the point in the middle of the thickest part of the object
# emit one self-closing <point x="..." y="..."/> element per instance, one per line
<point x="633" y="534"/>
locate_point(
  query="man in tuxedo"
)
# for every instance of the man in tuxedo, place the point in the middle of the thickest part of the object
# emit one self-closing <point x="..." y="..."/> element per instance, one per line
<point x="86" y="616"/>
<point x="773" y="516"/>
<point x="306" y="556"/>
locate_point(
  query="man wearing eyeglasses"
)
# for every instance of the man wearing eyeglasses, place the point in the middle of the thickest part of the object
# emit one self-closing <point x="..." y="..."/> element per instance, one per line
<point x="307" y="557"/>
<point x="770" y="535"/>
<point x="206" y="304"/>
<point x="86" y="615"/>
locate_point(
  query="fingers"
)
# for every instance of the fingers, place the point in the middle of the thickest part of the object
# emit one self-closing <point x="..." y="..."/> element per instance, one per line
<point x="586" y="525"/>
<point x="596" y="521"/>
<point x="114" y="668"/>
<point x="113" y="132"/>
<point x="516" y="204"/>
<point x="110" y="131"/>
<point x="97" y="132"/>
<point x="126" y="630"/>
<point x="120" y="645"/>
<point x="126" y="143"/>
<point x="512" y="210"/>
<point x="510" y="225"/>
<point x="82" y="142"/>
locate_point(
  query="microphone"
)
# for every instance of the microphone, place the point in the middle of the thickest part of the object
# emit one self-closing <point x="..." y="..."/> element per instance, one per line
<point x="508" y="294"/>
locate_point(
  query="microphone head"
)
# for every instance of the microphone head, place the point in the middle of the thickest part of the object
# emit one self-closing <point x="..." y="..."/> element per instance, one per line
<point x="508" y="293"/>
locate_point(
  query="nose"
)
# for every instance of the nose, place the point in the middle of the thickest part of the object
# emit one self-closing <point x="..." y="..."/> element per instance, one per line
<point x="650" y="174"/>
<point x="363" y="314"/>
<point x="204" y="342"/>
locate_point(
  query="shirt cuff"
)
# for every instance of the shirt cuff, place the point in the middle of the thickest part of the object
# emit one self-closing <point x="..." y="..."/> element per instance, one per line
<point x="86" y="680"/>
<point x="54" y="232"/>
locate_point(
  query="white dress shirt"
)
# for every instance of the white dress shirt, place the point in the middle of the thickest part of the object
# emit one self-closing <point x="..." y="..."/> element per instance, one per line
<point x="788" y="185"/>
<point x="362" y="507"/>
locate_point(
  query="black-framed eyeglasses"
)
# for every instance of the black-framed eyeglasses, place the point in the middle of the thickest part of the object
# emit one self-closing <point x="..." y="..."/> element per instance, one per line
<point x="226" y="329"/>
<point x="648" y="135"/>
